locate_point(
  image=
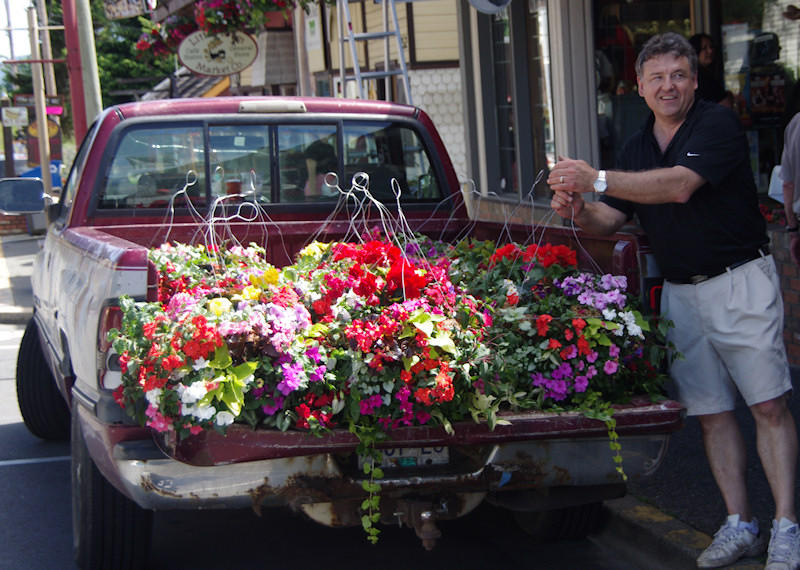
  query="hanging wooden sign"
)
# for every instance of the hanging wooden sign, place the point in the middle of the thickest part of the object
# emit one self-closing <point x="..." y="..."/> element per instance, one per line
<point x="222" y="54"/>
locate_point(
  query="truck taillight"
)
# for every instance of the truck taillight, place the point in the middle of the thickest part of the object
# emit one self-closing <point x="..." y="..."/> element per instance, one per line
<point x="108" y="368"/>
<point x="110" y="318"/>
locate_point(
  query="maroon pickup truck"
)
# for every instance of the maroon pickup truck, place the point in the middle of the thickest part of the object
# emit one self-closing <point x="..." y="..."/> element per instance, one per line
<point x="549" y="469"/>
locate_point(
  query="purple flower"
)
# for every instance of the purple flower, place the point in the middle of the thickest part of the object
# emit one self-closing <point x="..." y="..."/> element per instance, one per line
<point x="591" y="357"/>
<point x="563" y="371"/>
<point x="318" y="374"/>
<point x="313" y="353"/>
<point x="613" y="351"/>
<point x="292" y="378"/>
<point x="581" y="383"/>
<point x="272" y="409"/>
<point x="610" y="367"/>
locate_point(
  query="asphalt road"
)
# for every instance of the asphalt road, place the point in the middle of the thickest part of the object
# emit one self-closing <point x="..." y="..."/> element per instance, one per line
<point x="684" y="488"/>
<point x="35" y="522"/>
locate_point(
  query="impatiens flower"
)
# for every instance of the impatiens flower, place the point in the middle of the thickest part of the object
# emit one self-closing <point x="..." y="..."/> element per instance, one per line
<point x="224" y="418"/>
<point x="610" y="367"/>
<point x="543" y="324"/>
<point x="156" y="419"/>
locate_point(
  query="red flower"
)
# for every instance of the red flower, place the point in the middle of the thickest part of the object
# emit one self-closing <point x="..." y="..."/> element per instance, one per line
<point x="119" y="398"/>
<point x="579" y="325"/>
<point x="508" y="251"/>
<point x="543" y="324"/>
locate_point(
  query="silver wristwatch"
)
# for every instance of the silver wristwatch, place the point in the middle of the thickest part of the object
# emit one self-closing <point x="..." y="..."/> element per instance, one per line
<point x="600" y="184"/>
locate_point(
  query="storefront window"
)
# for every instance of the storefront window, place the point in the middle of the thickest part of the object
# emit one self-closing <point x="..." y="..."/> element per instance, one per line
<point x="541" y="99"/>
<point x="760" y="54"/>
<point x="504" y="101"/>
<point x="522" y="121"/>
<point x="621" y="28"/>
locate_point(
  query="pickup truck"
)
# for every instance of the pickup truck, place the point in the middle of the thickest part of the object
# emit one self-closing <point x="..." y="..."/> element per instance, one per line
<point x="551" y="470"/>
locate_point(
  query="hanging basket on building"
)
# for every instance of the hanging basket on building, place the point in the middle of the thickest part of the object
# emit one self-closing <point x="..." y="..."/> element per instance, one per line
<point x="216" y="17"/>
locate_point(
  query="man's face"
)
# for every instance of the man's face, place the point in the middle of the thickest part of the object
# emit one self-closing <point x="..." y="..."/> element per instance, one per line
<point x="667" y="85"/>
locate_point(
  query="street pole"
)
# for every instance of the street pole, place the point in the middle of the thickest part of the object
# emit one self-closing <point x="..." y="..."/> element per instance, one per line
<point x="47" y="51"/>
<point x="91" y="78"/>
<point x="43" y="134"/>
<point x="10" y="37"/>
<point x="74" y="69"/>
<point x="9" y="169"/>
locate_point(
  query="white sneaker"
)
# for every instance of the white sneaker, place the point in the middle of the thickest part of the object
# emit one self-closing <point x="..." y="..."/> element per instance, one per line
<point x="730" y="544"/>
<point x="784" y="546"/>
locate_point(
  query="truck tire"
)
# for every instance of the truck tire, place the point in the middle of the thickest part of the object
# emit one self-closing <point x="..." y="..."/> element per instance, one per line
<point x="43" y="408"/>
<point x="109" y="531"/>
<point x="569" y="523"/>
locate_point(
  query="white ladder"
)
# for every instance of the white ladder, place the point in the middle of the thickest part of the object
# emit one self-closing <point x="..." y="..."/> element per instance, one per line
<point x="343" y="16"/>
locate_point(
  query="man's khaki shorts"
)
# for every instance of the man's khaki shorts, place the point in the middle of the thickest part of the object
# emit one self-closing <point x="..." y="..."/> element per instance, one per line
<point x="729" y="330"/>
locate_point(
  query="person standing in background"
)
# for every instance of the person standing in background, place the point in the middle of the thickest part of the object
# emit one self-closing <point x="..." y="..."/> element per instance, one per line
<point x="709" y="82"/>
<point x="790" y="173"/>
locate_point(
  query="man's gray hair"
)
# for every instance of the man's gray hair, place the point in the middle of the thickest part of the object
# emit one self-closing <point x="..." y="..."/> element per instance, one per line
<point x="667" y="43"/>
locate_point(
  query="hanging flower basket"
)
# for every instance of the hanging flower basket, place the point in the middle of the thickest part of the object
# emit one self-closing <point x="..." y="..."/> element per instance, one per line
<point x="371" y="337"/>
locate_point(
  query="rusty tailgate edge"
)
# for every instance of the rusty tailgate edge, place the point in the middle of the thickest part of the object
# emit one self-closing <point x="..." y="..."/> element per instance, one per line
<point x="242" y="443"/>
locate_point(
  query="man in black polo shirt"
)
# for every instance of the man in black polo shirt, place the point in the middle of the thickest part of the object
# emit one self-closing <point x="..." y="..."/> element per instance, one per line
<point x="687" y="177"/>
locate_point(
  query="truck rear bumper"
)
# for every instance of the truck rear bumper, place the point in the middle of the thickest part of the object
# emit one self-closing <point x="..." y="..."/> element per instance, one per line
<point x="573" y="452"/>
<point x="319" y="478"/>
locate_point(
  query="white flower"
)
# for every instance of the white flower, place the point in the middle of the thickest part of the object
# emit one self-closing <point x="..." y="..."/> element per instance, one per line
<point x="153" y="396"/>
<point x="190" y="394"/>
<point x="609" y="314"/>
<point x="635" y="330"/>
<point x="224" y="418"/>
<point x="200" y="412"/>
<point x="200" y="363"/>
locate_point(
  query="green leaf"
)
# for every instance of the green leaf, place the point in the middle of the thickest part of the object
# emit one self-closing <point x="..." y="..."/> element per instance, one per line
<point x="423" y="322"/>
<point x="233" y="398"/>
<point x="222" y="358"/>
<point x="444" y="342"/>
<point x="244" y="370"/>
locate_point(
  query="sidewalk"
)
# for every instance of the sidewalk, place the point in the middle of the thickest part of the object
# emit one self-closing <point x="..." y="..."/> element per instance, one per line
<point x="16" y="266"/>
<point x="638" y="525"/>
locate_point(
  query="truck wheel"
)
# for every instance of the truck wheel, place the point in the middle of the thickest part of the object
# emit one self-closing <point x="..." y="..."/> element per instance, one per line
<point x="109" y="531"/>
<point x="569" y="523"/>
<point x="43" y="408"/>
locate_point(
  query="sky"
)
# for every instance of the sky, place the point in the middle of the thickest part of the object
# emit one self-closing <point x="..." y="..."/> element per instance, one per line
<point x="19" y="19"/>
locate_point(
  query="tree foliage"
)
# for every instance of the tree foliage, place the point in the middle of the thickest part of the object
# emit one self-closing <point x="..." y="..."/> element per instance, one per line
<point x="119" y="68"/>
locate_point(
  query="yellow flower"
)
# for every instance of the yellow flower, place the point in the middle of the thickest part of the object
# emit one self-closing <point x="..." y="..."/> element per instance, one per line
<point x="251" y="293"/>
<point x="219" y="305"/>
<point x="269" y="277"/>
<point x="316" y="249"/>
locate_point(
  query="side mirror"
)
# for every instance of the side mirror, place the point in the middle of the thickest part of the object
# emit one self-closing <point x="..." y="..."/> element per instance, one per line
<point x="21" y="195"/>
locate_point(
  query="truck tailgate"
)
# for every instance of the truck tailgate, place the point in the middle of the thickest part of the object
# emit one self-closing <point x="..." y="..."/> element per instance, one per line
<point x="241" y="443"/>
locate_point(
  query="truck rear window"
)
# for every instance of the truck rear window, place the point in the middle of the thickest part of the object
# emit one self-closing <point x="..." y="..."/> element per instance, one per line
<point x="267" y="163"/>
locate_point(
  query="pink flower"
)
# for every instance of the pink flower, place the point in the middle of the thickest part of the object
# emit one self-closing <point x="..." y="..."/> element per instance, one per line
<point x="157" y="420"/>
<point x="610" y="367"/>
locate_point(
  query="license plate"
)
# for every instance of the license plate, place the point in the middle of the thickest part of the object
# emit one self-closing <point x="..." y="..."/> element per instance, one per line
<point x="414" y="456"/>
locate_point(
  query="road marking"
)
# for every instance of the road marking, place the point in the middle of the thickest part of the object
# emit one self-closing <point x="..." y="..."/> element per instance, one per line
<point x="33" y="460"/>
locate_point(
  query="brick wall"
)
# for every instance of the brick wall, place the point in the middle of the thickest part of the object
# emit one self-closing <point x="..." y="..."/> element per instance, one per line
<point x="790" y="285"/>
<point x="10" y="225"/>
